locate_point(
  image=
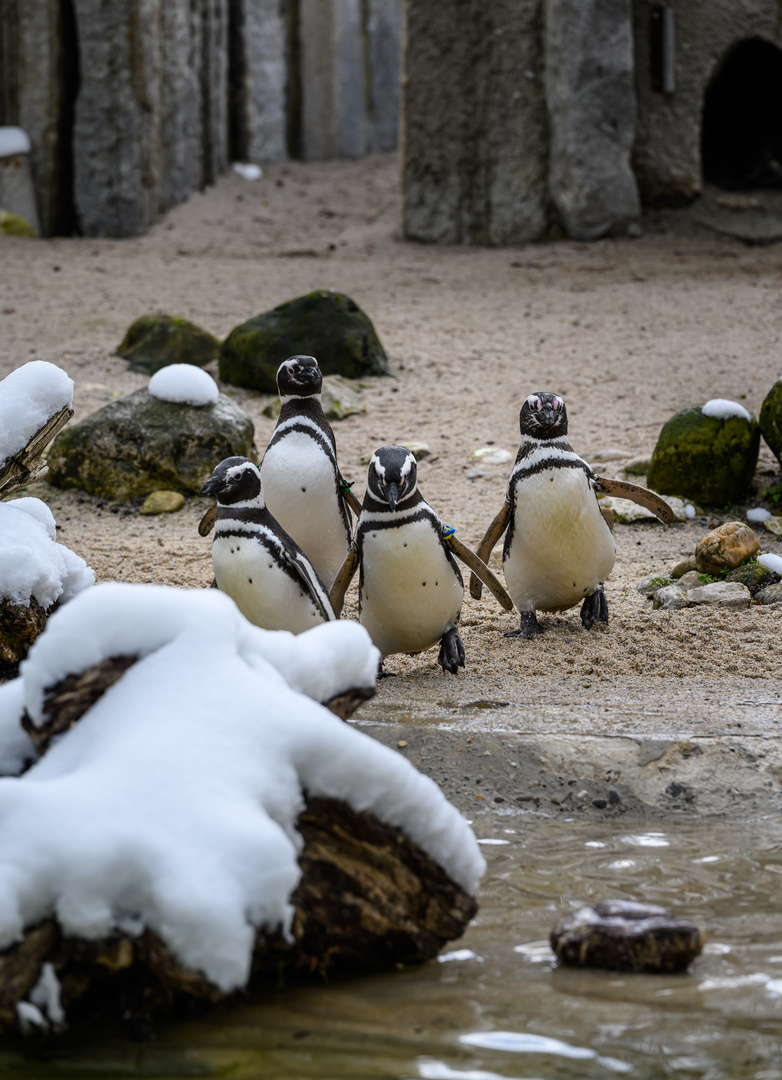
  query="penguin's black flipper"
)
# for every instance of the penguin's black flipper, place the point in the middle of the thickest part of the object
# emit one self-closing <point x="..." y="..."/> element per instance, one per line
<point x="343" y="579"/>
<point x="314" y="586"/>
<point x="479" y="569"/>
<point x="207" y="522"/>
<point x="451" y="656"/>
<point x="622" y="490"/>
<point x="493" y="533"/>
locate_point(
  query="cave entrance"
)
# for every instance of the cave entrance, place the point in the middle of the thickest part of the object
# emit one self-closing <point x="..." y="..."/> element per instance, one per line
<point x="741" y="133"/>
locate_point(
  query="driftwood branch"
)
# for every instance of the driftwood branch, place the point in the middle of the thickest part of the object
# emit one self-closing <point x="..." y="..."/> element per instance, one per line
<point x="25" y="466"/>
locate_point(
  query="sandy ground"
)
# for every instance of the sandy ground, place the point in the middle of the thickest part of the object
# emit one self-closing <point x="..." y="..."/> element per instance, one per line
<point x="629" y="331"/>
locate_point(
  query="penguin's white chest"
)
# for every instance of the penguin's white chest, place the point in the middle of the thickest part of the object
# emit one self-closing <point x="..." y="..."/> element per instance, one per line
<point x="300" y="489"/>
<point x="264" y="592"/>
<point x="561" y="548"/>
<point x="410" y="594"/>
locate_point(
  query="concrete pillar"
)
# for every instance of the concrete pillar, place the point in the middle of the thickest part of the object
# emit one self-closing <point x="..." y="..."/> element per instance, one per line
<point x="259" y="53"/>
<point x="332" y="75"/>
<point x="384" y="42"/>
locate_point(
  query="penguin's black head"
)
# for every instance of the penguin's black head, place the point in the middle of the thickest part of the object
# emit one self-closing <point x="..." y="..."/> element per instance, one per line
<point x="234" y="480"/>
<point x="299" y="376"/>
<point x="543" y="416"/>
<point x="392" y="475"/>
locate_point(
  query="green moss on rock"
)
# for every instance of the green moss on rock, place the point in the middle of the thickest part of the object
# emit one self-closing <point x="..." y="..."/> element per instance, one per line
<point x="155" y="341"/>
<point x="771" y="419"/>
<point x="141" y="444"/>
<point x="16" y="225"/>
<point x="324" y="324"/>
<point x="705" y="458"/>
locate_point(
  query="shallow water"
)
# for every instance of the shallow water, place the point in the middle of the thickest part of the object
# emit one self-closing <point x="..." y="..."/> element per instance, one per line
<point x="495" y="1005"/>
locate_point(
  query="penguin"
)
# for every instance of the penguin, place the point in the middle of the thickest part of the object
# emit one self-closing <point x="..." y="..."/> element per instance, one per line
<point x="302" y="484"/>
<point x="255" y="562"/>
<point x="558" y="547"/>
<point x="410" y="586"/>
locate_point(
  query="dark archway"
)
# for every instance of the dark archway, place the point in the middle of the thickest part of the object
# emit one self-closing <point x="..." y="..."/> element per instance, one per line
<point x="741" y="132"/>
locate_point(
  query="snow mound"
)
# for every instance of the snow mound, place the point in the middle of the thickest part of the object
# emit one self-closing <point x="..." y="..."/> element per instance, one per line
<point x="184" y="384"/>
<point x="758" y="513"/>
<point x="13" y="141"/>
<point x="247" y="171"/>
<point x="16" y="750"/>
<point x="771" y="561"/>
<point x="198" y="758"/>
<point x="32" y="564"/>
<point x="29" y="397"/>
<point x="723" y="409"/>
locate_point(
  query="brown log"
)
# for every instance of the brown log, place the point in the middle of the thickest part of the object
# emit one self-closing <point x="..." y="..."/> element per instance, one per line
<point x="25" y="466"/>
<point x="20" y="625"/>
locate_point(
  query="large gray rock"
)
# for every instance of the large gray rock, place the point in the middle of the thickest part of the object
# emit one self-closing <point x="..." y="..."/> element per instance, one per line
<point x="770" y="419"/>
<point x="475" y="147"/>
<point x="722" y="594"/>
<point x="141" y="444"/>
<point x="590" y="94"/>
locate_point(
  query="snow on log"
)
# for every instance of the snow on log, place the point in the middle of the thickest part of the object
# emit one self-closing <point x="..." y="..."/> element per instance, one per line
<point x="202" y="818"/>
<point x="36" y="402"/>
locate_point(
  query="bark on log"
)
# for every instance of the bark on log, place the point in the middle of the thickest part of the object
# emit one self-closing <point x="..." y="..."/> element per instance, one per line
<point x="19" y="627"/>
<point x="26" y="467"/>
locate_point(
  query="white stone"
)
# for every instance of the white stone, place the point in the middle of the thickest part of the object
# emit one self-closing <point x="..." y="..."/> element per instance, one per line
<point x="723" y="594"/>
<point x="671" y="598"/>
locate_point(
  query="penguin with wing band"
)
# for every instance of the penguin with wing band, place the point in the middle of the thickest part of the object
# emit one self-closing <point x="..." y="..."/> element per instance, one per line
<point x="255" y="562"/>
<point x="410" y="587"/>
<point x="558" y="547"/>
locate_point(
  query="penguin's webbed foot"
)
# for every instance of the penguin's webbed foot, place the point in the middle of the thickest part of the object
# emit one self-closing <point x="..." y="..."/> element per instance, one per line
<point x="451" y="656"/>
<point x="595" y="608"/>
<point x="529" y="627"/>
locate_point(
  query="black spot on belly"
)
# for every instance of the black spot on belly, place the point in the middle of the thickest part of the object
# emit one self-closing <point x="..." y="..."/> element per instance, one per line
<point x="270" y="566"/>
<point x="303" y="489"/>
<point x="405" y="544"/>
<point x="250" y="580"/>
<point x="574" y="584"/>
<point x="424" y="584"/>
<point x="436" y="584"/>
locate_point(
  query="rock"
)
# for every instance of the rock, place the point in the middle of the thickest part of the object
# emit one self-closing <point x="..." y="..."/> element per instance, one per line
<point x="325" y="324"/>
<point x="15" y="225"/>
<point x="491" y="455"/>
<point x="340" y="397"/>
<point x="637" y="466"/>
<point x="626" y="512"/>
<point x="590" y="93"/>
<point x="705" y="458"/>
<point x="690" y="580"/>
<point x="623" y="935"/>
<point x="19" y="627"/>
<point x="608" y="455"/>
<point x="141" y="444"/>
<point x="162" y="502"/>
<point x="155" y="341"/>
<point x="774" y="525"/>
<point x="419" y="450"/>
<point x="670" y="598"/>
<point x="722" y="594"/>
<point x="683" y="568"/>
<point x="772" y="594"/>
<point x="726" y="548"/>
<point x="650" y="585"/>
<point x="754" y="575"/>
<point x="770" y="419"/>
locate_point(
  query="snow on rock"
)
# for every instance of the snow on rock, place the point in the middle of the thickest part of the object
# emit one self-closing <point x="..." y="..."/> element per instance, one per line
<point x="247" y="171"/>
<point x="29" y="397"/>
<point x="771" y="561"/>
<point x="184" y="384"/>
<point x="198" y="758"/>
<point x="38" y="509"/>
<point x="758" y="513"/>
<point x="31" y="562"/>
<point x="16" y="750"/>
<point x="13" y="141"/>
<point x="723" y="409"/>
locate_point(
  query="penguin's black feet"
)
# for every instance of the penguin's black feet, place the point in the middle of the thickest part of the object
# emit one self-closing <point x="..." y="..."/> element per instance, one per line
<point x="529" y="626"/>
<point x="595" y="608"/>
<point x="451" y="656"/>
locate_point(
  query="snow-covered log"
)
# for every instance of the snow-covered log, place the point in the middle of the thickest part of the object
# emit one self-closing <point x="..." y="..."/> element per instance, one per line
<point x="36" y="402"/>
<point x="203" y="821"/>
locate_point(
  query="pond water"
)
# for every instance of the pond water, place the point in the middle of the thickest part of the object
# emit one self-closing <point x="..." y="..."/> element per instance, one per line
<point x="495" y="1005"/>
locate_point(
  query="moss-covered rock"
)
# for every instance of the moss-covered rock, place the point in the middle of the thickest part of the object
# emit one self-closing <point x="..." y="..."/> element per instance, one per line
<point x="15" y="225"/>
<point x="754" y="575"/>
<point x="771" y="419"/>
<point x="324" y="324"/>
<point x="141" y="444"/>
<point x="155" y="341"/>
<point x="706" y="458"/>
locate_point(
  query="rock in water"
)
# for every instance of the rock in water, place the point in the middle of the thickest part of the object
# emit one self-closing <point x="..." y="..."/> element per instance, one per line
<point x="726" y="548"/>
<point x="141" y="444"/>
<point x="325" y="324"/>
<point x="622" y="935"/>
<point x="155" y="341"/>
<point x="710" y="459"/>
<point x="771" y="419"/>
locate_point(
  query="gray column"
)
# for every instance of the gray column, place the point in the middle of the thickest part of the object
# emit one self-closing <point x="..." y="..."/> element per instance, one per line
<point x="333" y="85"/>
<point x="590" y="95"/>
<point x="263" y="73"/>
<point x="384" y="42"/>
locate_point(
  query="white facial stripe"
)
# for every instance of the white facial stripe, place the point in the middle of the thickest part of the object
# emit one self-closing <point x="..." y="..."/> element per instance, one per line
<point x="237" y="470"/>
<point x="409" y="462"/>
<point x="379" y="467"/>
<point x="534" y="401"/>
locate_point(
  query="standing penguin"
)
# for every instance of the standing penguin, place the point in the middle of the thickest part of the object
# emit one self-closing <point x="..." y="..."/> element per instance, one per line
<point x="558" y="548"/>
<point x="410" y="588"/>
<point x="302" y="484"/>
<point x="255" y="561"/>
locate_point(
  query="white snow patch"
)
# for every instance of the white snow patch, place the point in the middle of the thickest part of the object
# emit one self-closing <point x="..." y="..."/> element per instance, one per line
<point x="723" y="409"/>
<point x="185" y="384"/>
<point x="15" y="746"/>
<point x="29" y="1016"/>
<point x="689" y="511"/>
<point x="38" y="509"/>
<point x="198" y="758"/>
<point x="247" y="171"/>
<point x="29" y="397"/>
<point x="32" y="564"/>
<point x="758" y="513"/>
<point x="773" y="562"/>
<point x="13" y="140"/>
<point x="46" y="994"/>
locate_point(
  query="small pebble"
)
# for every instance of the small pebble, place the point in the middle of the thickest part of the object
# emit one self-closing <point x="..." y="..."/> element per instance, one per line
<point x="162" y="502"/>
<point x="401" y="744"/>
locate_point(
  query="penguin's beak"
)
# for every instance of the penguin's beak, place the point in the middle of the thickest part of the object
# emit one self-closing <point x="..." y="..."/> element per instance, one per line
<point x="392" y="494"/>
<point x="306" y="375"/>
<point x="213" y="486"/>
